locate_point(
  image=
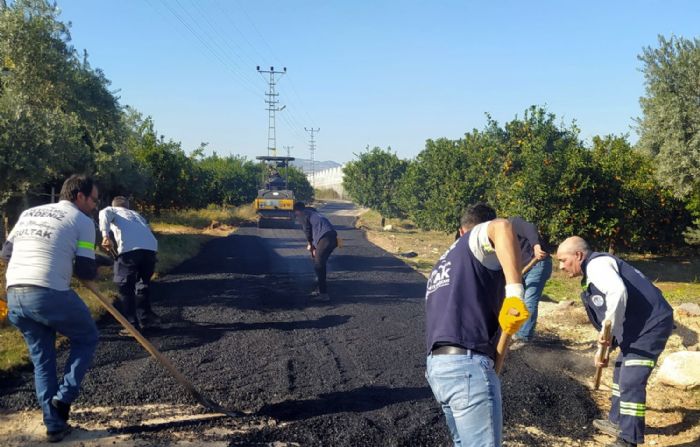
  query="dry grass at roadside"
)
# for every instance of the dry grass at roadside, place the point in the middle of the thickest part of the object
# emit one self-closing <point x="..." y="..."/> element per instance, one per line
<point x="180" y="235"/>
<point x="677" y="277"/>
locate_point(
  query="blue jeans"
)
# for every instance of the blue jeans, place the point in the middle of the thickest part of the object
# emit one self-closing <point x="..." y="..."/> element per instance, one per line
<point x="534" y="282"/>
<point x="39" y="313"/>
<point x="469" y="391"/>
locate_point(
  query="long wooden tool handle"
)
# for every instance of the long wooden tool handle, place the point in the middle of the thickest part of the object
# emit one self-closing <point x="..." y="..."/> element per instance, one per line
<point x="504" y="340"/>
<point x="530" y="265"/>
<point x="607" y="329"/>
<point x="148" y="346"/>
<point x="502" y="348"/>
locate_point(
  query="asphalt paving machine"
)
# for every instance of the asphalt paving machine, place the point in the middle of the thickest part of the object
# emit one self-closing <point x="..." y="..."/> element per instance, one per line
<point x="275" y="202"/>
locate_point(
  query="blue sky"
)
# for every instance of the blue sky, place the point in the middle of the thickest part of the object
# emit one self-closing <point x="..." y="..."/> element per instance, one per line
<point x="374" y="73"/>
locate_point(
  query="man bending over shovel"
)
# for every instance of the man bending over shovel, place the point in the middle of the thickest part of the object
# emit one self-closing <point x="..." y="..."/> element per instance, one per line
<point x="322" y="240"/>
<point x="641" y="322"/>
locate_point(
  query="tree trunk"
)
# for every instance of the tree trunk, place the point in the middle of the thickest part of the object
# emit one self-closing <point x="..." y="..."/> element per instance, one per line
<point x="4" y="230"/>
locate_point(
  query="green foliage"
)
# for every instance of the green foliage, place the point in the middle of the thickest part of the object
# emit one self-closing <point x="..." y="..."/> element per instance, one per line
<point x="372" y="180"/>
<point x="232" y="180"/>
<point x="55" y="110"/>
<point x="539" y="169"/>
<point x="303" y="191"/>
<point x="58" y="117"/>
<point x="545" y="175"/>
<point x="670" y="126"/>
<point x="444" y="177"/>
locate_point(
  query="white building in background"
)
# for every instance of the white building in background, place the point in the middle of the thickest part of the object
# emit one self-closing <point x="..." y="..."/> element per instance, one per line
<point x="329" y="179"/>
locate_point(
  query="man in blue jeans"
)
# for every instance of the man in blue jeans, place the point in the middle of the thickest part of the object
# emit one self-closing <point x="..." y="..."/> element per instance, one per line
<point x="535" y="279"/>
<point x="47" y="245"/>
<point x="531" y="248"/>
<point x="465" y="306"/>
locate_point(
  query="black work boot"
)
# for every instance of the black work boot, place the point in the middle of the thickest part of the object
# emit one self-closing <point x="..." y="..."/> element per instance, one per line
<point x="622" y="443"/>
<point x="57" y="436"/>
<point x="607" y="427"/>
<point x="62" y="408"/>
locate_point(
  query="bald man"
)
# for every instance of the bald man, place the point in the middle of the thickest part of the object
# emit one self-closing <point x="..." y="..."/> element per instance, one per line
<point x="642" y="321"/>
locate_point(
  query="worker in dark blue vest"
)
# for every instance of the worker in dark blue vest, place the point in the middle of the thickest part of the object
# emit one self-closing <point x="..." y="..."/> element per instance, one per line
<point x="465" y="313"/>
<point x="322" y="240"/>
<point x="531" y="250"/>
<point x="642" y="321"/>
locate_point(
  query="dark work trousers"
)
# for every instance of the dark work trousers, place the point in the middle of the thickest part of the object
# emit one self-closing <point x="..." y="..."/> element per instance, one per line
<point x="132" y="274"/>
<point x="325" y="247"/>
<point x="632" y="369"/>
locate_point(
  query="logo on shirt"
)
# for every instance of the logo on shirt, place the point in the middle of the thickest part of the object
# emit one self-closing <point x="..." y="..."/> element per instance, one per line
<point x="440" y="277"/>
<point x="598" y="300"/>
<point x="52" y="213"/>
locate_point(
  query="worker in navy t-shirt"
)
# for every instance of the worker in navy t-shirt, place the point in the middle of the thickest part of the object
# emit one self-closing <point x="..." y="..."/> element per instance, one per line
<point x="469" y="296"/>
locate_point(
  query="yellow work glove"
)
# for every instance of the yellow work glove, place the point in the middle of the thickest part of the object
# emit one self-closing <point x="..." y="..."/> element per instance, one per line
<point x="513" y="312"/>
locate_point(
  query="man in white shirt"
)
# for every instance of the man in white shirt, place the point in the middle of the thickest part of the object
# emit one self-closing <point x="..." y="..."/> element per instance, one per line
<point x="45" y="248"/>
<point x="642" y="321"/>
<point x="136" y="259"/>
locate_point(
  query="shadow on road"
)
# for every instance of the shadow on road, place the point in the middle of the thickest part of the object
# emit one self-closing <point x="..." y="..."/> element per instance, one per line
<point x="359" y="400"/>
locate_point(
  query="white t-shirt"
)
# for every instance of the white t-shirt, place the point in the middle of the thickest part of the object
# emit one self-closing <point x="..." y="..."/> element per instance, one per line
<point x="130" y="229"/>
<point x="45" y="241"/>
<point x="481" y="247"/>
<point x="604" y="273"/>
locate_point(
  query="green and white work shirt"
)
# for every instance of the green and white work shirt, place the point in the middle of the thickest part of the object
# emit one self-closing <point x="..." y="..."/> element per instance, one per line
<point x="46" y="240"/>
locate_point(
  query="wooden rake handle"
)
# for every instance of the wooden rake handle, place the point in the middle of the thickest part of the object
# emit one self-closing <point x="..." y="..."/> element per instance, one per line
<point x="164" y="361"/>
<point x="605" y="351"/>
<point x="504" y="340"/>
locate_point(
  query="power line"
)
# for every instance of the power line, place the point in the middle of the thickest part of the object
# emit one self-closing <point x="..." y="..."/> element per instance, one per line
<point x="247" y="84"/>
<point x="274" y="58"/>
<point x="209" y="36"/>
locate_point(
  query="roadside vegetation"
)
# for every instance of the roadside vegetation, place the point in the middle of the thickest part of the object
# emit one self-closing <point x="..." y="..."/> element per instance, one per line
<point x="620" y="196"/>
<point x="677" y="276"/>
<point x="59" y="115"/>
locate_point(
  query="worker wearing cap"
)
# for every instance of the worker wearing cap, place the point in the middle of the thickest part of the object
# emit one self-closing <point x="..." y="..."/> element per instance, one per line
<point x="47" y="245"/>
<point x="465" y="313"/>
<point x="322" y="240"/>
<point x="642" y="321"/>
<point x="136" y="259"/>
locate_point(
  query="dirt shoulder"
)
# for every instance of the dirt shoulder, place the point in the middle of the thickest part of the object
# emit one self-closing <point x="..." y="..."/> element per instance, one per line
<point x="566" y="338"/>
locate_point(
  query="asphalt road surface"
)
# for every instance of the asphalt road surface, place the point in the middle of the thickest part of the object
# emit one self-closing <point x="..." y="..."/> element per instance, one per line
<point x="240" y="324"/>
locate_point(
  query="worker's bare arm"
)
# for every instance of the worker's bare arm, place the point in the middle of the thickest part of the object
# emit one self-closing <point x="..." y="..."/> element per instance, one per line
<point x="505" y="242"/>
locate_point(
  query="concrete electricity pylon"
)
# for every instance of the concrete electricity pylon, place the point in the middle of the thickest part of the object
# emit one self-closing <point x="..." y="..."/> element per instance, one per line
<point x="272" y="102"/>
<point x="312" y="149"/>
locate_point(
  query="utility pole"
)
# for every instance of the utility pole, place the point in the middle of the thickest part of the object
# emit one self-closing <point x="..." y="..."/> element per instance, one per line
<point x="286" y="177"/>
<point x="272" y="102"/>
<point x="312" y="149"/>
